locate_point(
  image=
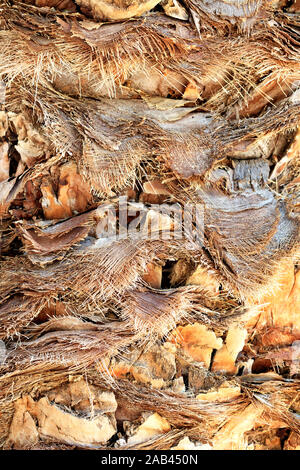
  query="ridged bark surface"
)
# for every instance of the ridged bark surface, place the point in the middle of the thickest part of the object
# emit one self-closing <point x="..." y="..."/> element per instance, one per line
<point x="118" y="116"/>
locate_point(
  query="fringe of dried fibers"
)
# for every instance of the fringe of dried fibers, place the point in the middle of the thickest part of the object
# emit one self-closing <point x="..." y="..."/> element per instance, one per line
<point x="138" y="343"/>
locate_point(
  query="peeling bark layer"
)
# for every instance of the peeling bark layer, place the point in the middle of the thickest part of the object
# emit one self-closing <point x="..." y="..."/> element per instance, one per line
<point x="137" y="342"/>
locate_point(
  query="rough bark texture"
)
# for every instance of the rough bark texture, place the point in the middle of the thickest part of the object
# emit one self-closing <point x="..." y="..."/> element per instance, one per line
<point x="136" y="343"/>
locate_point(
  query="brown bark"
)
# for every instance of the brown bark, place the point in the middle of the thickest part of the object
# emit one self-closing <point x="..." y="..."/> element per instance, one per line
<point x="170" y="104"/>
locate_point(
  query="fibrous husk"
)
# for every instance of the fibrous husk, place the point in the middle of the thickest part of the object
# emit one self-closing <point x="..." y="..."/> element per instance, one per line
<point x="129" y="341"/>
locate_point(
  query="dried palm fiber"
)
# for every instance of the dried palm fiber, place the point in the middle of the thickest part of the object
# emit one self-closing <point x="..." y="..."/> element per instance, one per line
<point x="269" y="243"/>
<point x="47" y="242"/>
<point x="53" y="242"/>
<point x="7" y="402"/>
<point x="198" y="306"/>
<point x="31" y="281"/>
<point x="171" y="142"/>
<point x="71" y="53"/>
<point x="186" y="407"/>
<point x="245" y="259"/>
<point x="65" y="280"/>
<point x="181" y="410"/>
<point x="178" y="408"/>
<point x="101" y="63"/>
<point x="92" y="138"/>
<point x="60" y="378"/>
<point x="229" y="257"/>
<point x="157" y="312"/>
<point x="74" y="348"/>
<point x="159" y="126"/>
<point x="74" y="304"/>
<point x="83" y="292"/>
<point x="77" y="275"/>
<point x="207" y="15"/>
<point x="75" y="343"/>
<point x="54" y="238"/>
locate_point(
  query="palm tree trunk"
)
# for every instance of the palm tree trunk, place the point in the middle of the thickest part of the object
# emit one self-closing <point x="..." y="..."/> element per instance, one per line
<point x="149" y="202"/>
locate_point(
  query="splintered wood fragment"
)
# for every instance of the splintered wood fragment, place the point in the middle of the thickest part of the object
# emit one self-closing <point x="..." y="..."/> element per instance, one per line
<point x="180" y="272"/>
<point x="52" y="207"/>
<point x="153" y="426"/>
<point x="155" y="366"/>
<point x="225" y="392"/>
<point x="73" y="194"/>
<point x="192" y="92"/>
<point x="65" y="427"/>
<point x="23" y="433"/>
<point x="83" y="397"/>
<point x="9" y="189"/>
<point x="153" y="275"/>
<point x="197" y="342"/>
<point x="232" y="435"/>
<point x="174" y="9"/>
<point x="292" y="153"/>
<point x="59" y="424"/>
<point x="32" y="146"/>
<point x="225" y="358"/>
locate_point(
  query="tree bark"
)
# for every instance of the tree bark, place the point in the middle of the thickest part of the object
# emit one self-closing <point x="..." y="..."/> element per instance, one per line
<point x="149" y="202"/>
